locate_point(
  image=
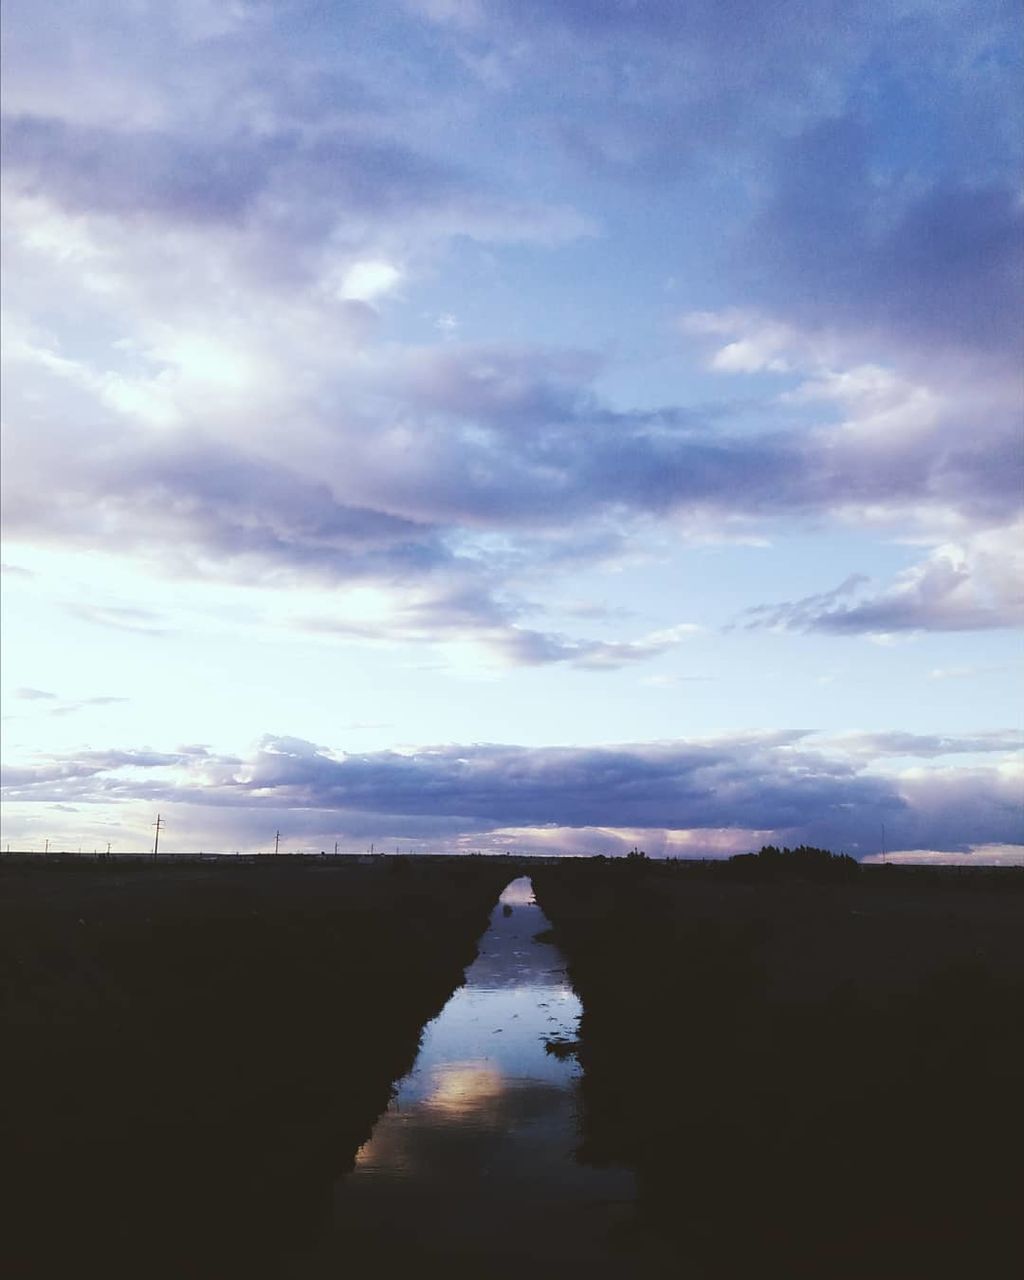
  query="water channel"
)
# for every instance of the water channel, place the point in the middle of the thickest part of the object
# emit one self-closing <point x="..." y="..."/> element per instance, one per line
<point x="471" y="1169"/>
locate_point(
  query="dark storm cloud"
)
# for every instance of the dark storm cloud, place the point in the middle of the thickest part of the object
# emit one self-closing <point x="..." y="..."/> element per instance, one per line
<point x="766" y="783"/>
<point x="821" y="792"/>
<point x="671" y="786"/>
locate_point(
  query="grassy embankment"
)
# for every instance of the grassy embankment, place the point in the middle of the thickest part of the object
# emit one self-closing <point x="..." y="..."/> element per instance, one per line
<point x="192" y="1054"/>
<point x="811" y="1080"/>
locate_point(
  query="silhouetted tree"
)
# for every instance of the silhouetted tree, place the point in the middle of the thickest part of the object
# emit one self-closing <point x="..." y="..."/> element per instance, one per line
<point x="805" y="862"/>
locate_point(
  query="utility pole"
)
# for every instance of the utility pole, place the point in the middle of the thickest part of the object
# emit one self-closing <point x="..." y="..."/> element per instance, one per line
<point x="335" y="848"/>
<point x="47" y="847"/>
<point x="883" y="841"/>
<point x="277" y="842"/>
<point x="159" y="825"/>
<point x="108" y="848"/>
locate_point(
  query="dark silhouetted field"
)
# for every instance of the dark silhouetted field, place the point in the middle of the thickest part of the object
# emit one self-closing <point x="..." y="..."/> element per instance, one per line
<point x="811" y="1079"/>
<point x="192" y="1054"/>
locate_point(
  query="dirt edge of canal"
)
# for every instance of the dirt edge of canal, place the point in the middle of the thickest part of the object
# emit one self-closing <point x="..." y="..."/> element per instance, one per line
<point x="194" y="1054"/>
<point x="809" y="1080"/>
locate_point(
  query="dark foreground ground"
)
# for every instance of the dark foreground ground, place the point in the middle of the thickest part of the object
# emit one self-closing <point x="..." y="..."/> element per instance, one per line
<point x="811" y="1080"/>
<point x="192" y="1054"/>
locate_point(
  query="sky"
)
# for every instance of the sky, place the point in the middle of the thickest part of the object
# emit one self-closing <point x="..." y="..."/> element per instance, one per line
<point x="502" y="424"/>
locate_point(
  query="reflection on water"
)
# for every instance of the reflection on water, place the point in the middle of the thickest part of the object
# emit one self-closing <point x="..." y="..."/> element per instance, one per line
<point x="472" y="1165"/>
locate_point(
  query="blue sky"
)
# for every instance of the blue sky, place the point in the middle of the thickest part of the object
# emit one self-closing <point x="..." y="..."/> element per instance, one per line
<point x="464" y="424"/>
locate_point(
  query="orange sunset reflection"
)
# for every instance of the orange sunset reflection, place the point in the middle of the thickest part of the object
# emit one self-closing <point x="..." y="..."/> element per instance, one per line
<point x="464" y="1088"/>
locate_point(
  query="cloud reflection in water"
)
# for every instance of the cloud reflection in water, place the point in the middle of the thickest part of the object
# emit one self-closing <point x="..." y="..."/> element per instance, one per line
<point x="483" y="1129"/>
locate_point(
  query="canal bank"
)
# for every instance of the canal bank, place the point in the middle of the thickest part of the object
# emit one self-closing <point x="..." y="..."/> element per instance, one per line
<point x="194" y="1053"/>
<point x="809" y="1080"/>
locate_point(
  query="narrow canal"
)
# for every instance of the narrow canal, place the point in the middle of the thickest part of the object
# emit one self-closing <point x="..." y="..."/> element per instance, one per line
<point x="471" y="1170"/>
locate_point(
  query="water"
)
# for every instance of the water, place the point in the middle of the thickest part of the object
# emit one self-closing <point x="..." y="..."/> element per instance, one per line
<point x="472" y="1167"/>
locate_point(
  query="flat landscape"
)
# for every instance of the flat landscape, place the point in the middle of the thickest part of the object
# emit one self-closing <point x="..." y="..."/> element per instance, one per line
<point x="821" y="1079"/>
<point x="193" y="1052"/>
<point x="823" y="1076"/>
<point x="511" y="631"/>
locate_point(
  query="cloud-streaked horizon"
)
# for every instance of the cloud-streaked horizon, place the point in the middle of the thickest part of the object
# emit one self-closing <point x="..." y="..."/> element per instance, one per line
<point x="791" y="787"/>
<point x="575" y="352"/>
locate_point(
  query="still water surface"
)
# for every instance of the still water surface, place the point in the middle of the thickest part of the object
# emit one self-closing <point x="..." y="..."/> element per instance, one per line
<point x="472" y="1168"/>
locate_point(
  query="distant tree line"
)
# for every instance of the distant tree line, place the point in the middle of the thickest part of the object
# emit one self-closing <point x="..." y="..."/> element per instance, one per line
<point x="769" y="864"/>
<point x="805" y="862"/>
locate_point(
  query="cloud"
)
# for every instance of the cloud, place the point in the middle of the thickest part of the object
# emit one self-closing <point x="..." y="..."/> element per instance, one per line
<point x="285" y="188"/>
<point x="213" y="211"/>
<point x="652" y="92"/>
<point x="72" y="770"/>
<point x="912" y="435"/>
<point x="32" y="695"/>
<point x="445" y="448"/>
<point x="369" y="279"/>
<point x="985" y="855"/>
<point x="140" y="174"/>
<point x="975" y="586"/>
<point x="644" y="89"/>
<point x="70" y="708"/>
<point x="875" y="746"/>
<point x="141" y="622"/>
<point x="467" y="612"/>
<point x="787" y="785"/>
<point x="944" y="264"/>
<point x="897" y="452"/>
<point x="521" y="647"/>
<point x="978" y="805"/>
